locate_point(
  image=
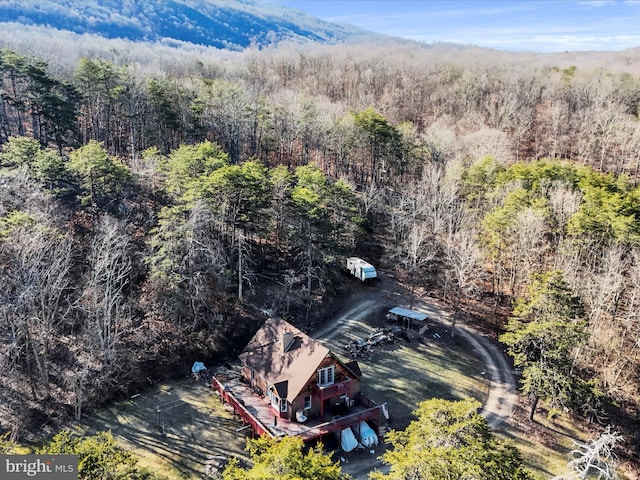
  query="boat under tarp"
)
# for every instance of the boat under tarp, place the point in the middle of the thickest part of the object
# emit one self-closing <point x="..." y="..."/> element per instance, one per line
<point x="348" y="440"/>
<point x="366" y="435"/>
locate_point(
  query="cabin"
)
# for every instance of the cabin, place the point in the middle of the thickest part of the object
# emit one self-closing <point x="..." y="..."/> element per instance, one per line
<point x="290" y="384"/>
<point x="361" y="269"/>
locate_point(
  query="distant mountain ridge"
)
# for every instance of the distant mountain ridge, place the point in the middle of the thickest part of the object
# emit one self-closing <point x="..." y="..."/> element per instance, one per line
<point x="228" y="24"/>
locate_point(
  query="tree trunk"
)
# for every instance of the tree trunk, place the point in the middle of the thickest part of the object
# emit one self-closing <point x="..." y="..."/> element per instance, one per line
<point x="534" y="405"/>
<point x="239" y="267"/>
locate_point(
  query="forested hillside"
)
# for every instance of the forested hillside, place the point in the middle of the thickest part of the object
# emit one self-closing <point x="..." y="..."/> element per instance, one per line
<point x="153" y="213"/>
<point x="222" y="23"/>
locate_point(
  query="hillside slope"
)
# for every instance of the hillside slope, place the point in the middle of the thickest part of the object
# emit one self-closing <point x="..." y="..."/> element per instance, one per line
<point x="229" y="24"/>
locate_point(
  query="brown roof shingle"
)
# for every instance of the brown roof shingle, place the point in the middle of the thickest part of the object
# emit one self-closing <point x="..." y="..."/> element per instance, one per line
<point x="298" y="363"/>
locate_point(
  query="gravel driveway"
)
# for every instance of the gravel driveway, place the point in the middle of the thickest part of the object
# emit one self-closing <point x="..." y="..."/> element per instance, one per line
<point x="367" y="300"/>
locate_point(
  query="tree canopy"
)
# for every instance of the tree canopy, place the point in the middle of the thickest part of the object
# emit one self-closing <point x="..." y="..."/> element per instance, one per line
<point x="545" y="329"/>
<point x="287" y="459"/>
<point x="98" y="456"/>
<point x="450" y="441"/>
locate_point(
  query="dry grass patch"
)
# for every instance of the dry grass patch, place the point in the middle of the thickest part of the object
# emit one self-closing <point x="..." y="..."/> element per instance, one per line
<point x="405" y="373"/>
<point x="545" y="444"/>
<point x="196" y="427"/>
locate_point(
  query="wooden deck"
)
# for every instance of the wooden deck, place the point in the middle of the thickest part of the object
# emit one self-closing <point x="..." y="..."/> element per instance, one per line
<point x="256" y="411"/>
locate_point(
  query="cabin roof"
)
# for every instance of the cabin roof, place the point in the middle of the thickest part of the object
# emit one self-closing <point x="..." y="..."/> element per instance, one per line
<point x="288" y="370"/>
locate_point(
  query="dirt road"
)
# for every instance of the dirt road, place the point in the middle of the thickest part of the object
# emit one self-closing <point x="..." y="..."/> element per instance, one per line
<point x="497" y="408"/>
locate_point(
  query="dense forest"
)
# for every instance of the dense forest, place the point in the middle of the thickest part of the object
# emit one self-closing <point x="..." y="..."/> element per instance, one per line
<point x="154" y="212"/>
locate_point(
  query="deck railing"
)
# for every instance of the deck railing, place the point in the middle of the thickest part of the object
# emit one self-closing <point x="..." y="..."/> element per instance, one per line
<point x="258" y="427"/>
<point x="341" y="422"/>
<point x="371" y="412"/>
<point x="335" y="389"/>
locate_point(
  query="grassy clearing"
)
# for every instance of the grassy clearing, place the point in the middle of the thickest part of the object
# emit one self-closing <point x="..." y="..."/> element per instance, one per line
<point x="545" y="444"/>
<point x="196" y="427"/>
<point x="406" y="373"/>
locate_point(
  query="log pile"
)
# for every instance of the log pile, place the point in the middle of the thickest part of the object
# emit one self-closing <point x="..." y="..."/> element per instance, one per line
<point x="360" y="348"/>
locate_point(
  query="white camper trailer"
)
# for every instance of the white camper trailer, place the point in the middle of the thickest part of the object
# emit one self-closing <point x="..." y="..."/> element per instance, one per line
<point x="360" y="269"/>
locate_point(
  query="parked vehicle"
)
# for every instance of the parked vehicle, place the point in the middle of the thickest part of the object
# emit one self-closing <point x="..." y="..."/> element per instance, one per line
<point x="361" y="269"/>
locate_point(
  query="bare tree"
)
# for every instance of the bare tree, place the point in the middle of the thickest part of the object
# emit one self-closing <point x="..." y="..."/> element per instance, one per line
<point x="528" y="246"/>
<point x="564" y="201"/>
<point x="245" y="274"/>
<point x="205" y="260"/>
<point x="371" y="197"/>
<point x="596" y="458"/>
<point x="464" y="262"/>
<point x="34" y="281"/>
<point x="105" y="296"/>
<point x="618" y="330"/>
<point x="415" y="246"/>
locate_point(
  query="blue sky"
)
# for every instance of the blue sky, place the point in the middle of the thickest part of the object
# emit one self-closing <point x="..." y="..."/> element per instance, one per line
<point x="516" y="25"/>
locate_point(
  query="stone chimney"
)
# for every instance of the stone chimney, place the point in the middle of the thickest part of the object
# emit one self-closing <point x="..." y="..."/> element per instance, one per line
<point x="286" y="341"/>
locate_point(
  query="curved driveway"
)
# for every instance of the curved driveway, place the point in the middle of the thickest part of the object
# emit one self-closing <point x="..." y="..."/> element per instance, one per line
<point x="498" y="406"/>
<point x="366" y="301"/>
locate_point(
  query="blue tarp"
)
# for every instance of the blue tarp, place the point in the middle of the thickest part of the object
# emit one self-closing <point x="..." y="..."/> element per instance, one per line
<point x="347" y="440"/>
<point x="198" y="367"/>
<point x="367" y="436"/>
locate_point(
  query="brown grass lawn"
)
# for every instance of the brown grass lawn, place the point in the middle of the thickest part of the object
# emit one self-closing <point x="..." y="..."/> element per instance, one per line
<point x="196" y="427"/>
<point x="546" y="443"/>
<point x="405" y="373"/>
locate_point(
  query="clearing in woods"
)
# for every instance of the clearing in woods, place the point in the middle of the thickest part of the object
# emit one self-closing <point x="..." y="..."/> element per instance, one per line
<point x="196" y="426"/>
<point x="192" y="427"/>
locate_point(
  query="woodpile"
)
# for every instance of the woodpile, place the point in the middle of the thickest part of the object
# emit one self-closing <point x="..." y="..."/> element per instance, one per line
<point x="360" y="348"/>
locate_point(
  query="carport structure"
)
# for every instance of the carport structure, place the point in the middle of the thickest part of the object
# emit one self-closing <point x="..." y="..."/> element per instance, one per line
<point x="410" y="318"/>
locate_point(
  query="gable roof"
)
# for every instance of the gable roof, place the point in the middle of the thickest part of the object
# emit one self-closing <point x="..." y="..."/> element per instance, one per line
<point x="354" y="368"/>
<point x="288" y="371"/>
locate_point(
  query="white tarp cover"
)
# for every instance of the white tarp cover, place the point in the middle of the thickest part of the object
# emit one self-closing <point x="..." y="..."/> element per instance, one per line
<point x="300" y="416"/>
<point x="198" y="367"/>
<point x="368" y="437"/>
<point x="347" y="440"/>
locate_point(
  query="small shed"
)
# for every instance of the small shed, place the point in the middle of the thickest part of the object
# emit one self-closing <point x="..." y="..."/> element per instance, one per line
<point x="409" y="318"/>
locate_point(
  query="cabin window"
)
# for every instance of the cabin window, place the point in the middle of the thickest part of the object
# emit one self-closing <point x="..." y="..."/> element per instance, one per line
<point x="283" y="404"/>
<point x="307" y="402"/>
<point x="325" y="376"/>
<point x="274" y="398"/>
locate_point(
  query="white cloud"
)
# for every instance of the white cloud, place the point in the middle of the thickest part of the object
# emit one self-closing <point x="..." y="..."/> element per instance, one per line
<point x="597" y="3"/>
